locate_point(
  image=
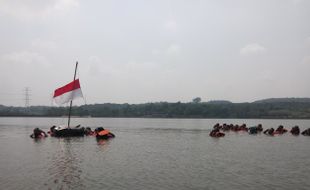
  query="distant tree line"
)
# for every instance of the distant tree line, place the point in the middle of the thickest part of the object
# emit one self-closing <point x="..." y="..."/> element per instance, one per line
<point x="214" y="109"/>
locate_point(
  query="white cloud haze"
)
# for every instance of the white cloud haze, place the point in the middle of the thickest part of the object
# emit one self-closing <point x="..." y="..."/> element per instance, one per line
<point x="252" y="49"/>
<point x="32" y="9"/>
<point x="148" y="51"/>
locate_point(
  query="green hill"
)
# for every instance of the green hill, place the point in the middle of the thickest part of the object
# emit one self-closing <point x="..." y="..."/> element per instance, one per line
<point x="284" y="100"/>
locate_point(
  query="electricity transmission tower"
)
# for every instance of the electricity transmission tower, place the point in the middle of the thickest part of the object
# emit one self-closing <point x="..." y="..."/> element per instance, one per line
<point x="27" y="96"/>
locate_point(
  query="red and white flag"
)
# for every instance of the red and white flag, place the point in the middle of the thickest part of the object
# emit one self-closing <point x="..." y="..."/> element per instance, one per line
<point x="68" y="92"/>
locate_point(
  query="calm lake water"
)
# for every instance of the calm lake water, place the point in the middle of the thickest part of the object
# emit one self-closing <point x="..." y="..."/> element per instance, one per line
<point x="153" y="154"/>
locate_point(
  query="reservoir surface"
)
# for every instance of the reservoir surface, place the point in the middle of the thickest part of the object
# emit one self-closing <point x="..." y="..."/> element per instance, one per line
<point x="153" y="154"/>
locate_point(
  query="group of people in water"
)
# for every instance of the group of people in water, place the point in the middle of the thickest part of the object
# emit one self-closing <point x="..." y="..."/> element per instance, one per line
<point x="218" y="130"/>
<point x="99" y="133"/>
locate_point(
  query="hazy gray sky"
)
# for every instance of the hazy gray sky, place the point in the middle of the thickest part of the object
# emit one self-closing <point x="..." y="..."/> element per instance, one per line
<point x="157" y="50"/>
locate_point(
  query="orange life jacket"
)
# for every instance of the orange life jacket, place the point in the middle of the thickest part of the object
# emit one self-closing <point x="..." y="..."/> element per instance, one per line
<point x="103" y="132"/>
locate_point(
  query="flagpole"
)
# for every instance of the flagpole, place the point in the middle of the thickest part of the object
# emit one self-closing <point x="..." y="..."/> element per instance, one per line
<point x="71" y="100"/>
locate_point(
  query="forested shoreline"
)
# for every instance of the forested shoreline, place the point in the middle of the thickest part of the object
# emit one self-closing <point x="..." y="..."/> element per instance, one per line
<point x="271" y="108"/>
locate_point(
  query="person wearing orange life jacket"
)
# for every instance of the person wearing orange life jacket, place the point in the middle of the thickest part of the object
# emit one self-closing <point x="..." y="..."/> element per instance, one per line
<point x="102" y="133"/>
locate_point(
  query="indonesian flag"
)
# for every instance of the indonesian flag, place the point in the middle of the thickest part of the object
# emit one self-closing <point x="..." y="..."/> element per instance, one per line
<point x="68" y="92"/>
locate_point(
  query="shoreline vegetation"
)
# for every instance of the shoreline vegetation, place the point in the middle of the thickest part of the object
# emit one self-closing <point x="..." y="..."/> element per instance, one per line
<point x="275" y="108"/>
